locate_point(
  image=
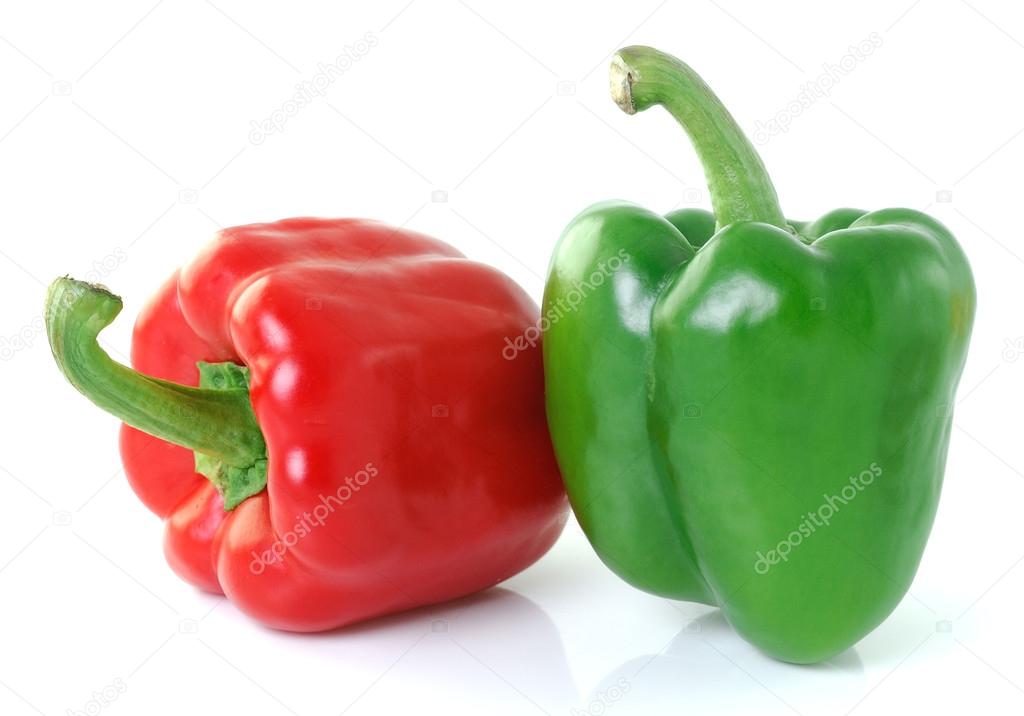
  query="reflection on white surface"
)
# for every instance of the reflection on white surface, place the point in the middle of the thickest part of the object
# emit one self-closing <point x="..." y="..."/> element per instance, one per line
<point x="493" y="647"/>
<point x="566" y="637"/>
<point x="496" y="642"/>
<point x="698" y="673"/>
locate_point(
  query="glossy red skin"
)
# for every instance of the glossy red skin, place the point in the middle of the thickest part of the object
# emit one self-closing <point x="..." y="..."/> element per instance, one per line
<point x="366" y="345"/>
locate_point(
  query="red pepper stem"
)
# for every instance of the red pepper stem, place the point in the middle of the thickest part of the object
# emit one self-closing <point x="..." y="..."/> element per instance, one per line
<point x="741" y="189"/>
<point x="218" y="423"/>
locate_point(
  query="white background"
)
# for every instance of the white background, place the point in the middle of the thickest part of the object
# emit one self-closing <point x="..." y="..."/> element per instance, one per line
<point x="125" y="143"/>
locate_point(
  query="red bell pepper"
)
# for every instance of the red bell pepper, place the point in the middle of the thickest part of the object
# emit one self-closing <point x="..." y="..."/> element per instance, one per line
<point x="364" y="445"/>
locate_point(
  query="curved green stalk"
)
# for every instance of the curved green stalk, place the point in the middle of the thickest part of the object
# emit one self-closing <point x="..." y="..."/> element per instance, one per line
<point x="216" y="423"/>
<point x="740" y="187"/>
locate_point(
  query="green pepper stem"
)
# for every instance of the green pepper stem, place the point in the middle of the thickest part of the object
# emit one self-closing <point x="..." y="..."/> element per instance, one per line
<point x="741" y="189"/>
<point x="218" y="423"/>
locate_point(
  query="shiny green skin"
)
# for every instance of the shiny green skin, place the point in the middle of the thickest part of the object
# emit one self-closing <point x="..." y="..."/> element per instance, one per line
<point x="709" y="390"/>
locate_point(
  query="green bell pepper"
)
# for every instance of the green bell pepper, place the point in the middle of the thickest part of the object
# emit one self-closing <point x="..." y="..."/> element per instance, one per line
<point x="752" y="412"/>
